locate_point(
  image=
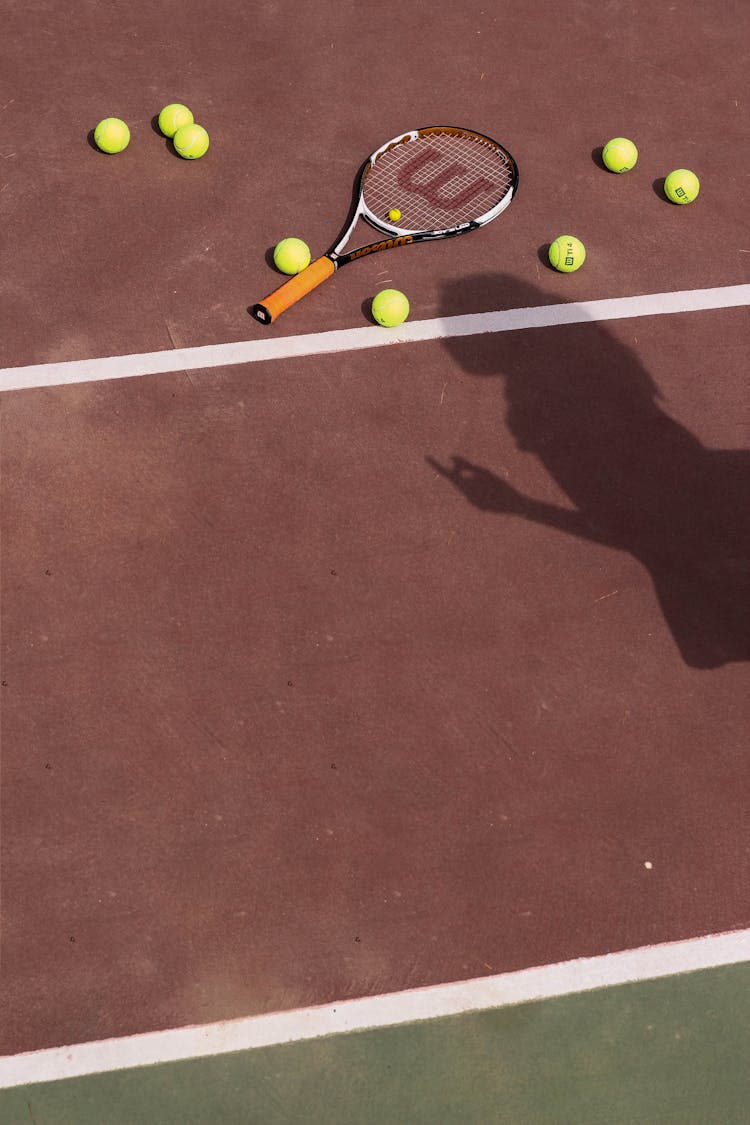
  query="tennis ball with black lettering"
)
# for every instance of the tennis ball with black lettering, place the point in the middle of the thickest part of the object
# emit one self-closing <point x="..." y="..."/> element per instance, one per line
<point x="191" y="141"/>
<point x="173" y="117"/>
<point x="682" y="186"/>
<point x="567" y="253"/>
<point x="112" y="135"/>
<point x="619" y="154"/>
<point x="390" y="307"/>
<point x="291" y="255"/>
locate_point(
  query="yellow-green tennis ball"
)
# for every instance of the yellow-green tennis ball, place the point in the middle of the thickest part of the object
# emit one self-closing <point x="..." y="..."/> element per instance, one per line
<point x="191" y="141"/>
<point x="619" y="154"/>
<point x="112" y="135"/>
<point x="682" y="186"/>
<point x="291" y="255"/>
<point x="567" y="253"/>
<point x="173" y="117"/>
<point x="390" y="307"/>
<point x="394" y="215"/>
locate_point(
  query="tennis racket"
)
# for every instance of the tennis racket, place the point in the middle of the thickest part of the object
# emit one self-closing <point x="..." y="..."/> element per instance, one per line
<point x="427" y="184"/>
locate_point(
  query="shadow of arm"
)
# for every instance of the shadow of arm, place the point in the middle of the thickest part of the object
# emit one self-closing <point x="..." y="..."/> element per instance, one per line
<point x="490" y="493"/>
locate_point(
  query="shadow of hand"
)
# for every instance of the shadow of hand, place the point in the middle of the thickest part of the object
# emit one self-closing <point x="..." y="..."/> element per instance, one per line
<point x="480" y="486"/>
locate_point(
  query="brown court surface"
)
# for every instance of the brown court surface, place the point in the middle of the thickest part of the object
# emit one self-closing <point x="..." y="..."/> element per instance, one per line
<point x="295" y="706"/>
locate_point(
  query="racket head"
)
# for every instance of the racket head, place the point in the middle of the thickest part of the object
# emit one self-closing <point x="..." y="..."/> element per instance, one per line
<point x="442" y="179"/>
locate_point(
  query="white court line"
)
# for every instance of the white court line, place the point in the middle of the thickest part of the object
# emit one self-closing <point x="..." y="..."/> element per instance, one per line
<point x="391" y="1010"/>
<point x="353" y="339"/>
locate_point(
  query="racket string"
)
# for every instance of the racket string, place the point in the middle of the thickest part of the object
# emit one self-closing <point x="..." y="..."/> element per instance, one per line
<point x="438" y="181"/>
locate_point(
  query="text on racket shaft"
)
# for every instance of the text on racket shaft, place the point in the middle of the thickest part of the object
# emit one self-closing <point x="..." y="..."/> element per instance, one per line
<point x="387" y="244"/>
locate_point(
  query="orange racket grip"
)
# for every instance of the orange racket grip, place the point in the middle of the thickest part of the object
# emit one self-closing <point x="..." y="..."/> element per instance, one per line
<point x="271" y="307"/>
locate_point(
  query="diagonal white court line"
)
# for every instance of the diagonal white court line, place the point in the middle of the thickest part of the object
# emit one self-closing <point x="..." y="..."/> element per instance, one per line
<point x="353" y="339"/>
<point x="391" y="1010"/>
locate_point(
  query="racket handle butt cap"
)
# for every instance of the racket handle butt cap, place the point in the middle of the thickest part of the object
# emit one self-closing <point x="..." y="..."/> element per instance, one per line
<point x="261" y="313"/>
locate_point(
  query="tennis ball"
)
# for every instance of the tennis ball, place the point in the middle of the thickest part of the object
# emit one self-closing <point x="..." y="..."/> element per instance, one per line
<point x="191" y="141"/>
<point x="567" y="253"/>
<point x="112" y="135"/>
<point x="682" y="186"/>
<point x="173" y="117"/>
<point x="394" y="215"/>
<point x="390" y="307"/>
<point x="291" y="255"/>
<point x="619" y="154"/>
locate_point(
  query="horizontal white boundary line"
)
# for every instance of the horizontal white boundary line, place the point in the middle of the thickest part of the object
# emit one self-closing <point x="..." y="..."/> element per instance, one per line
<point x="434" y="1002"/>
<point x="353" y="339"/>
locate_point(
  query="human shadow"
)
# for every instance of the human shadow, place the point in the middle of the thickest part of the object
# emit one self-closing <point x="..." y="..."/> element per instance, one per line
<point x="640" y="481"/>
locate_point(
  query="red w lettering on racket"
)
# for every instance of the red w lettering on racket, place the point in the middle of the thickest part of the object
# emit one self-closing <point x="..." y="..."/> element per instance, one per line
<point x="443" y="180"/>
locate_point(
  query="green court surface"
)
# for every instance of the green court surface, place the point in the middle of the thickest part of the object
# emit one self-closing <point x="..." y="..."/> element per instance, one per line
<point x="674" y="1050"/>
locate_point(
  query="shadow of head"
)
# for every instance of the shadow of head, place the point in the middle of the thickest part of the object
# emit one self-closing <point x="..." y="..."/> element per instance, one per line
<point x="576" y="380"/>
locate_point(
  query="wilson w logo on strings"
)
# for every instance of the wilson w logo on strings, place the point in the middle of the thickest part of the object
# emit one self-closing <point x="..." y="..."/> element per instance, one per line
<point x="436" y="189"/>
